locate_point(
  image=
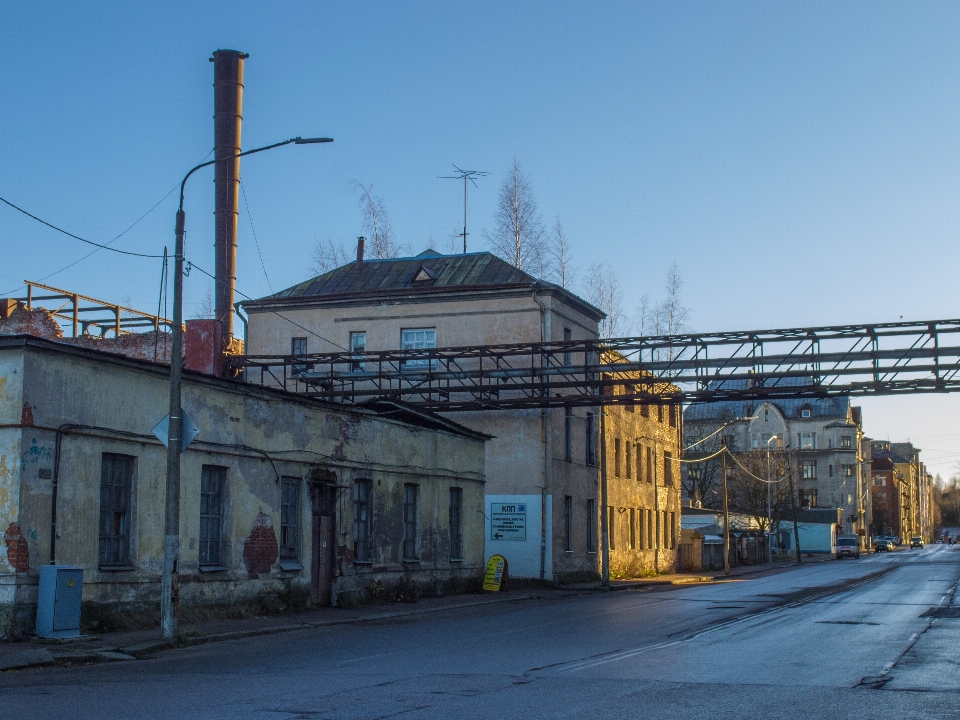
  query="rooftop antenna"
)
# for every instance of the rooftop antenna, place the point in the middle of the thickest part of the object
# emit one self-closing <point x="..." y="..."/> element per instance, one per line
<point x="465" y="175"/>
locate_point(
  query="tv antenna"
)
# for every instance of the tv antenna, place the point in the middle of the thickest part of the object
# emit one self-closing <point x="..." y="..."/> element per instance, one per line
<point x="465" y="175"/>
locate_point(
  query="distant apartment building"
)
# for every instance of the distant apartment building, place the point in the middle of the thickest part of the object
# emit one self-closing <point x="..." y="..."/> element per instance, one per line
<point x="901" y="483"/>
<point x="822" y="437"/>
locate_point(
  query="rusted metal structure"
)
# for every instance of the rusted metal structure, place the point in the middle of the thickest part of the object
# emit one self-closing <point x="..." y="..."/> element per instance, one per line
<point x="78" y="314"/>
<point x="878" y="359"/>
<point x="227" y="117"/>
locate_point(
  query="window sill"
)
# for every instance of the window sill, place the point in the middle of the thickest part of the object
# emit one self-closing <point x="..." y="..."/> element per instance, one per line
<point x="213" y="568"/>
<point x="411" y="561"/>
<point x="363" y="562"/>
<point x="290" y="565"/>
<point x="455" y="560"/>
<point x="116" y="568"/>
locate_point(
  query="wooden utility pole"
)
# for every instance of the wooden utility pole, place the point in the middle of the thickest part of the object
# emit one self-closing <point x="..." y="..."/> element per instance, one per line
<point x="726" y="509"/>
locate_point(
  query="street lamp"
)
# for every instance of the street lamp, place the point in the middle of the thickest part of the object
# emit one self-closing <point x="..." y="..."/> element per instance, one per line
<point x="169" y="589"/>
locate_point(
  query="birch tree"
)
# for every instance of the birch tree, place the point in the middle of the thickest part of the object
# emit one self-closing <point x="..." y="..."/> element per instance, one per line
<point x="518" y="235"/>
<point x="327" y="256"/>
<point x="376" y="224"/>
<point x="562" y="270"/>
<point x="604" y="292"/>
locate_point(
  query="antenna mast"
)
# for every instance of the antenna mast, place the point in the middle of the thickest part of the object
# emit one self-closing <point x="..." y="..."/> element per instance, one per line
<point x="465" y="175"/>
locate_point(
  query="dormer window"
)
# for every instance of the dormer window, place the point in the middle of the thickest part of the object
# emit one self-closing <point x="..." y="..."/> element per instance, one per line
<point x="805" y="411"/>
<point x="424" y="274"/>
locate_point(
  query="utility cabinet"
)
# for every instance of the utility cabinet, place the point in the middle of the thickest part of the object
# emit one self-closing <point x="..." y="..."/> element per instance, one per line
<point x="58" y="604"/>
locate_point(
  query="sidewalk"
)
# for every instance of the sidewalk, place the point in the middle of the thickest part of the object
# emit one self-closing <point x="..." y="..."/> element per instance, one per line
<point x="136" y="644"/>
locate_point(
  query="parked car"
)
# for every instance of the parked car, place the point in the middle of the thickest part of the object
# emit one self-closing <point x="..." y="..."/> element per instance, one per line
<point x="916" y="542"/>
<point x="848" y="546"/>
<point x="884" y="545"/>
<point x="897" y="540"/>
<point x="939" y="541"/>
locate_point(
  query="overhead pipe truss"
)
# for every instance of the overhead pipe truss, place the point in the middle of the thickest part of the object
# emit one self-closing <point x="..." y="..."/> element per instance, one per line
<point x="882" y="359"/>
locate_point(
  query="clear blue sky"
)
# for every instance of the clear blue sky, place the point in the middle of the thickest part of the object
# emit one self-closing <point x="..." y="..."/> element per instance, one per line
<point x="800" y="162"/>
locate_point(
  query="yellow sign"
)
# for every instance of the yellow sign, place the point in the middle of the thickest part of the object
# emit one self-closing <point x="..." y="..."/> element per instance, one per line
<point x="496" y="571"/>
<point x="70" y="582"/>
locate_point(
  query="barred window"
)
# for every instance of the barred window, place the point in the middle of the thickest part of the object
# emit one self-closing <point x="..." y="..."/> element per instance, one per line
<point x="568" y="523"/>
<point x="116" y="481"/>
<point x="289" y="517"/>
<point x="410" y="492"/>
<point x="456" y="523"/>
<point x="591" y="525"/>
<point x="361" y="520"/>
<point x="212" y="482"/>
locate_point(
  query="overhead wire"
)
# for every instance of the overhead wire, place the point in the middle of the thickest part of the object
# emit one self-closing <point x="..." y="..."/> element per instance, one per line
<point x="99" y="248"/>
<point x="254" y="231"/>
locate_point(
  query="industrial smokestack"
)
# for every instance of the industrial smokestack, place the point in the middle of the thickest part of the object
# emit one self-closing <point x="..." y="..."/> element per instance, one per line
<point x="227" y="106"/>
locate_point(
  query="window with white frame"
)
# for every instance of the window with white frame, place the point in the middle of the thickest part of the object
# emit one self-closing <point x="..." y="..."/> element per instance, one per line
<point x="418" y="339"/>
<point x="808" y="469"/>
<point x="358" y="346"/>
<point x="807" y="440"/>
<point x="846" y="441"/>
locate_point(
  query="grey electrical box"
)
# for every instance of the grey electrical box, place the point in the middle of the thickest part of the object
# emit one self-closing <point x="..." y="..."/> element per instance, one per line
<point x="58" y="604"/>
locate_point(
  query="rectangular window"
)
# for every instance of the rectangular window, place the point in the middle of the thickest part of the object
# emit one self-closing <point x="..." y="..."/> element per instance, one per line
<point x="591" y="438"/>
<point x="846" y="470"/>
<point x="568" y="434"/>
<point x="830" y="469"/>
<point x="628" y="464"/>
<point x="673" y="410"/>
<point x="645" y="411"/>
<point x="591" y="526"/>
<point x="633" y="529"/>
<point x="116" y="484"/>
<point x="298" y="346"/>
<point x="846" y="441"/>
<point x="660" y="413"/>
<point x="568" y="523"/>
<point x="410" y="492"/>
<point x="808" y="498"/>
<point x="638" y="451"/>
<point x="358" y="347"/>
<point x="611" y="527"/>
<point x="213" y="480"/>
<point x="362" y="550"/>
<point x="879" y="480"/>
<point x="456" y="523"/>
<point x="659" y="532"/>
<point x="419" y="339"/>
<point x="667" y="468"/>
<point x="808" y="469"/>
<point x="616" y="457"/>
<point x="807" y="441"/>
<point x="673" y="531"/>
<point x="567" y="337"/>
<point x="649" y="467"/>
<point x="650" y="529"/>
<point x="289" y="518"/>
<point x="641" y="518"/>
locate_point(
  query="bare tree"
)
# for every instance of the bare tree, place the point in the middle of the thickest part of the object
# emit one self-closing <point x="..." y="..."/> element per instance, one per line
<point x="207" y="308"/>
<point x="747" y="485"/>
<point x="328" y="255"/>
<point x="376" y="224"/>
<point x="561" y="268"/>
<point x="603" y="290"/>
<point x="518" y="234"/>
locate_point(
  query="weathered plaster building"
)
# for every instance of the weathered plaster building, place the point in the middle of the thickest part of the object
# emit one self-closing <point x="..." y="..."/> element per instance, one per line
<point x="542" y="463"/>
<point x="285" y="500"/>
<point x="643" y="485"/>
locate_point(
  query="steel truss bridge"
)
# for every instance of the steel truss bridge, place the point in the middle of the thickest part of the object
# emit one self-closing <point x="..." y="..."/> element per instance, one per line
<point x="883" y="359"/>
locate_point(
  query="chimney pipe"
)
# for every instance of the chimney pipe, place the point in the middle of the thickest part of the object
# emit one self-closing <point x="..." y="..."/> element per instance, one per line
<point x="360" y="241"/>
<point x="227" y="106"/>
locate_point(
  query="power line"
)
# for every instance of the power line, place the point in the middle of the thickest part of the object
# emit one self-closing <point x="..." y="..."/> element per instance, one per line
<point x="191" y="264"/>
<point x="77" y="237"/>
<point x="256" y="242"/>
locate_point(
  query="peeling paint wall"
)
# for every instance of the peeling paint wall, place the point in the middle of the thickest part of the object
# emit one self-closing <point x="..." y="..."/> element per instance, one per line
<point x="108" y="404"/>
<point x="527" y="451"/>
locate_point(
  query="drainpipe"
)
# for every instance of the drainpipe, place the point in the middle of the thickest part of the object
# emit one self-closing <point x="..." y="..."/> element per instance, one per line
<point x="545" y="444"/>
<point x="236" y="309"/>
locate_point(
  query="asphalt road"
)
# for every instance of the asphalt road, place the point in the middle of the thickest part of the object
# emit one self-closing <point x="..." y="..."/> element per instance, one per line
<point x="847" y="639"/>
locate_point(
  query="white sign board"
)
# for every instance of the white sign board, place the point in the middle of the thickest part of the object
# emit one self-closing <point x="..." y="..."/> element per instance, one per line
<point x="508" y="521"/>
